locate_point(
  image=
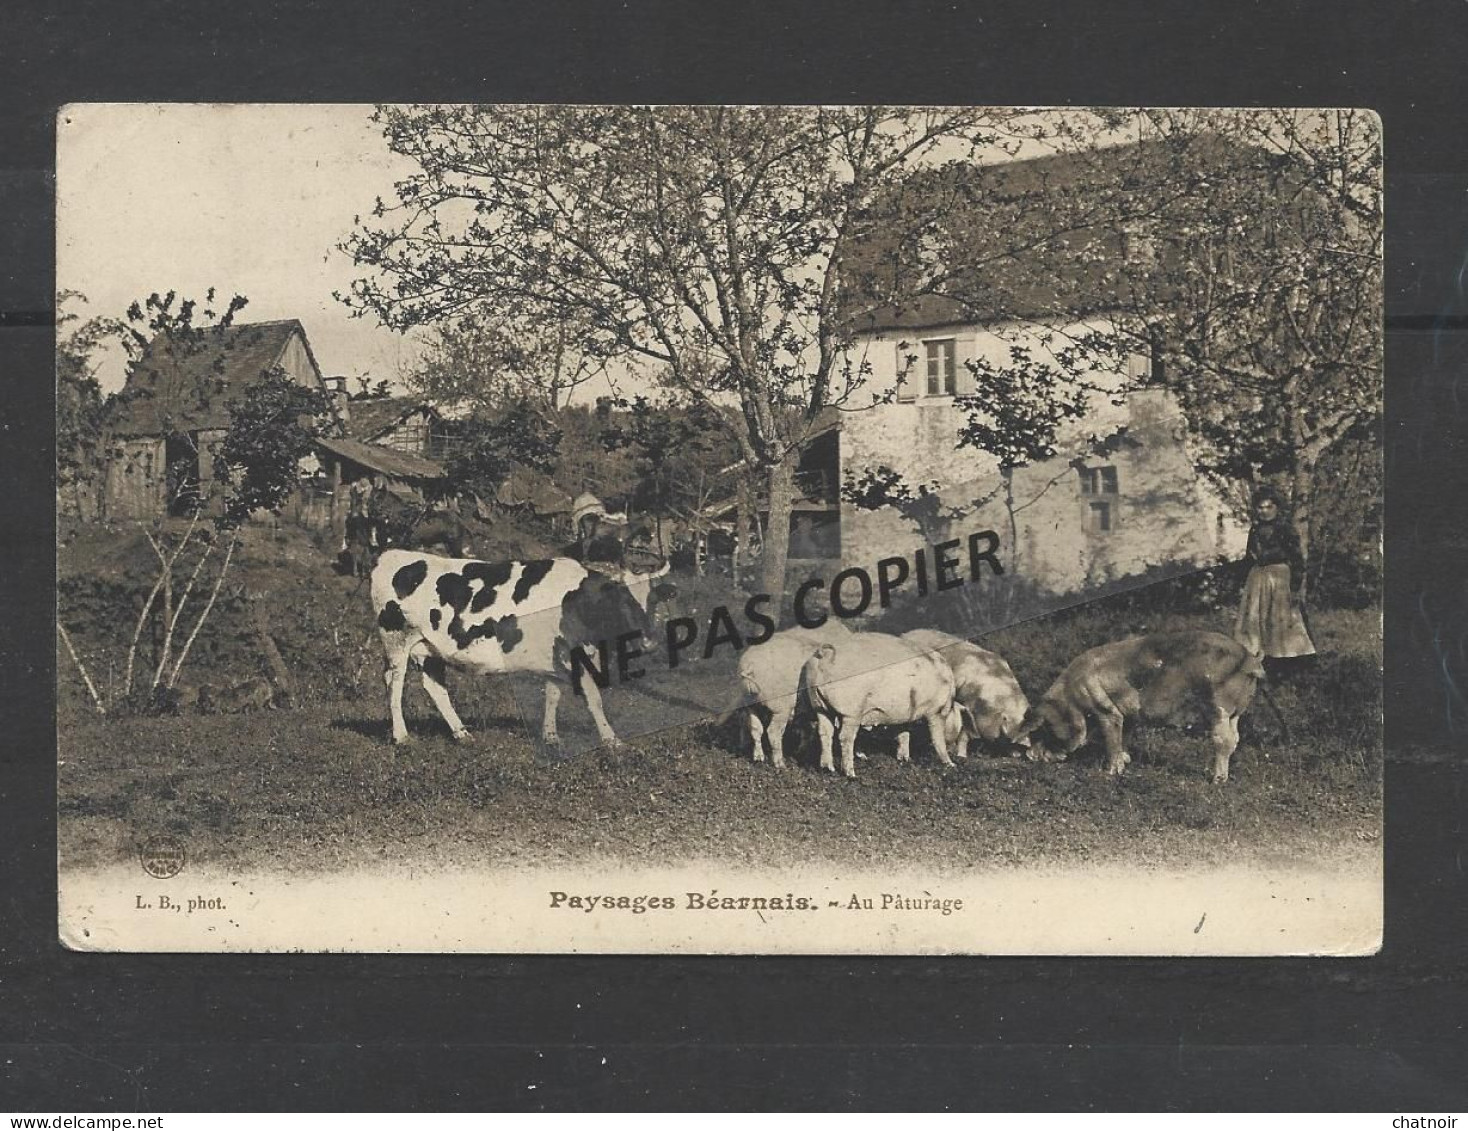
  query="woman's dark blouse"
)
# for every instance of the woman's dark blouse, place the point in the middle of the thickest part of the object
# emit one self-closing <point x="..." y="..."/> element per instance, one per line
<point x="1276" y="543"/>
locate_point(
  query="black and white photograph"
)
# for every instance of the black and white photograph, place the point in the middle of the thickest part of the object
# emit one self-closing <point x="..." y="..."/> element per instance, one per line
<point x="719" y="529"/>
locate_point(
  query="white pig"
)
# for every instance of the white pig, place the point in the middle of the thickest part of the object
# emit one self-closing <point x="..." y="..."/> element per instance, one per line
<point x="769" y="678"/>
<point x="873" y="679"/>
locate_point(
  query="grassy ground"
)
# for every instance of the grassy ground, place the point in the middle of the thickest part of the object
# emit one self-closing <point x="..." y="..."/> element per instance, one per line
<point x="320" y="787"/>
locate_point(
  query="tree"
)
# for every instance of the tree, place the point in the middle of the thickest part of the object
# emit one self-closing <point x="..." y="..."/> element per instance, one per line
<point x="708" y="241"/>
<point x="486" y="448"/>
<point x="81" y="410"/>
<point x="273" y="426"/>
<point x="480" y="364"/>
<point x="676" y="452"/>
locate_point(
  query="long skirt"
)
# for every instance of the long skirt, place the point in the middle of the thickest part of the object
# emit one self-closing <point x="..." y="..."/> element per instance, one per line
<point x="1269" y="621"/>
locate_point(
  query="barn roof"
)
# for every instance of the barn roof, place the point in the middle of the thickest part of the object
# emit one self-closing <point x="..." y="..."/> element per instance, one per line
<point x="375" y="415"/>
<point x="388" y="461"/>
<point x="170" y="390"/>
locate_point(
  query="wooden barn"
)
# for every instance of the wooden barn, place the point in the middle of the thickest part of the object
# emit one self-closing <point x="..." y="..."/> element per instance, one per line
<point x="405" y="424"/>
<point x="175" y="412"/>
<point x="348" y="466"/>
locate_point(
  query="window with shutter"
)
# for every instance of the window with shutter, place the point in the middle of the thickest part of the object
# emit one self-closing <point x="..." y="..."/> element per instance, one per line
<point x="942" y="368"/>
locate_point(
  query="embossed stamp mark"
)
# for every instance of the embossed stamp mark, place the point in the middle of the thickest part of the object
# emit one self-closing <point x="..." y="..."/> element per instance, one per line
<point x="163" y="856"/>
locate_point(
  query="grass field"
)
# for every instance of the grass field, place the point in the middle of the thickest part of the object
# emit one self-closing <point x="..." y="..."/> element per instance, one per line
<point x="319" y="787"/>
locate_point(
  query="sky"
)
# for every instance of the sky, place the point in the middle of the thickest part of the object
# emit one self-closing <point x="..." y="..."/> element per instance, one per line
<point x="249" y="199"/>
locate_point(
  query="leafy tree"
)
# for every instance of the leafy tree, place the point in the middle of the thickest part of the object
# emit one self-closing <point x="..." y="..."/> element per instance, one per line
<point x="487" y="448"/>
<point x="273" y="426"/>
<point x="585" y="463"/>
<point x="677" y="453"/>
<point x="81" y="410"/>
<point x="708" y="241"/>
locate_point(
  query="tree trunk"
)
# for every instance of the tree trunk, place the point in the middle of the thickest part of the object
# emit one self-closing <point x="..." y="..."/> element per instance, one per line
<point x="781" y="480"/>
<point x="1013" y="521"/>
<point x="1006" y="586"/>
<point x="741" y="529"/>
<point x="1303" y="491"/>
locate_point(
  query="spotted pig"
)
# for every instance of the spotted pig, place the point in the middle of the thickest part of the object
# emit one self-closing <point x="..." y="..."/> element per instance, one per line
<point x="1167" y="677"/>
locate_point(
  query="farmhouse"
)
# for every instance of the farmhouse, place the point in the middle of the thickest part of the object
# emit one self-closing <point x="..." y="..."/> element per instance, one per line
<point x="1119" y="495"/>
<point x="174" y="413"/>
<point x="405" y="424"/>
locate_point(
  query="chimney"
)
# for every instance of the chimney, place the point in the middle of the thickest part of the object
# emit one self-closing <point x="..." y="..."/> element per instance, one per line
<point x="336" y="389"/>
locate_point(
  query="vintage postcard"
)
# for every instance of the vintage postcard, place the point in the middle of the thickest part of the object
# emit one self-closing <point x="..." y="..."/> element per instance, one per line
<point x="702" y="529"/>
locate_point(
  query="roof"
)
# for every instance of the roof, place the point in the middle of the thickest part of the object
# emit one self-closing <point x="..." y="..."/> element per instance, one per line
<point x="162" y="395"/>
<point x="989" y="204"/>
<point x="918" y="313"/>
<point x="388" y="461"/>
<point x="374" y="415"/>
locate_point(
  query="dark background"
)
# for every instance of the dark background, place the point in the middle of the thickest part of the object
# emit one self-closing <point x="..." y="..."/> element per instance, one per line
<point x="87" y="1031"/>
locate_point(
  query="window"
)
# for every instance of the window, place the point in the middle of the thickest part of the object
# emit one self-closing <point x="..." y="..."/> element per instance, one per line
<point x="1098" y="518"/>
<point x="1098" y="481"/>
<point x="1137" y="247"/>
<point x="1099" y="491"/>
<point x="942" y="367"/>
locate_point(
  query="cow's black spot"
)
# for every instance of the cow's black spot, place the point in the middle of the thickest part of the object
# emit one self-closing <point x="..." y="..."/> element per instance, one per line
<point x="464" y="636"/>
<point x="531" y="576"/>
<point x="509" y="633"/>
<point x="435" y="617"/>
<point x="435" y="669"/>
<point x="407" y="579"/>
<point x="391" y="618"/>
<point x="490" y="575"/>
<point x="453" y="591"/>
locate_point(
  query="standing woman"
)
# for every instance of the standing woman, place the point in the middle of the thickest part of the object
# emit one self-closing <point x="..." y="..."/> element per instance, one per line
<point x="1271" y="623"/>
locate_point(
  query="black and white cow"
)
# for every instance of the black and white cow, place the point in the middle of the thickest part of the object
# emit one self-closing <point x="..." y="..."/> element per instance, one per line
<point x="493" y="617"/>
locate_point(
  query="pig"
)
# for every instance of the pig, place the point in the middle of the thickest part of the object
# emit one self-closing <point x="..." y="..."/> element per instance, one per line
<point x="874" y="679"/>
<point x="769" y="678"/>
<point x="990" y="699"/>
<point x="1166" y="677"/>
